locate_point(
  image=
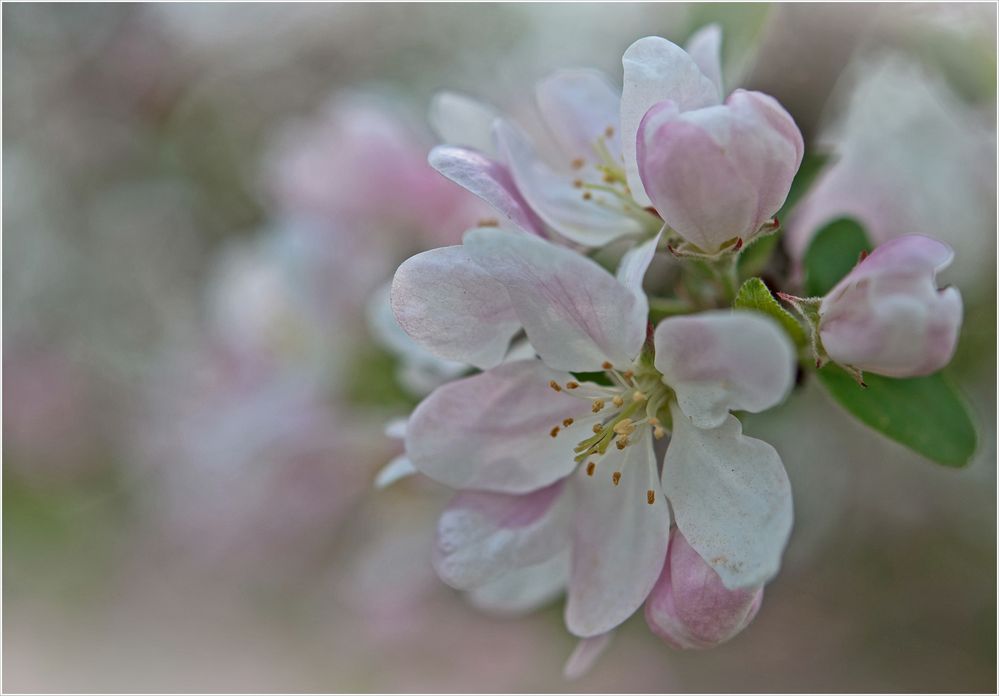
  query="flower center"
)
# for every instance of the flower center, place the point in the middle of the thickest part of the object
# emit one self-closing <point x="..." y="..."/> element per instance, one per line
<point x="620" y="413"/>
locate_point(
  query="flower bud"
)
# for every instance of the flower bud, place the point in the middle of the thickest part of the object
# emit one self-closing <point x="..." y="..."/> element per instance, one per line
<point x="887" y="315"/>
<point x="719" y="173"/>
<point x="690" y="608"/>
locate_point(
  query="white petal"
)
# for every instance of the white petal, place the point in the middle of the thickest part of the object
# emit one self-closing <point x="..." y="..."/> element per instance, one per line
<point x="619" y="539"/>
<point x="580" y="106"/>
<point x="491" y="431"/>
<point x="731" y="498"/>
<point x="481" y="536"/>
<point x="656" y="70"/>
<point x="724" y="361"/>
<point x="396" y="428"/>
<point x="585" y="655"/>
<point x="523" y="590"/>
<point x="555" y="199"/>
<point x="576" y="314"/>
<point x="489" y="180"/>
<point x="450" y="306"/>
<point x="398" y="468"/>
<point x="463" y="121"/>
<point x="634" y="264"/>
<point x="704" y="46"/>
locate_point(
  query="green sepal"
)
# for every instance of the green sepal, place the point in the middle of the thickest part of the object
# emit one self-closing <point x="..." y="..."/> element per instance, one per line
<point x="755" y="296"/>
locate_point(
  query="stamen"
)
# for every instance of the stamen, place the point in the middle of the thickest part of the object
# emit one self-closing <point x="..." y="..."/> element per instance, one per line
<point x="587" y="195"/>
<point x="624" y="427"/>
<point x="578" y="183"/>
<point x="618" y="401"/>
<point x="572" y="385"/>
<point x="578" y="163"/>
<point x="590" y="468"/>
<point x="567" y="422"/>
<point x="555" y="431"/>
<point x="607" y="366"/>
<point x="609" y="132"/>
<point x="621" y="443"/>
<point x="616" y="477"/>
<point x="639" y="396"/>
<point x="597" y="428"/>
<point x="651" y="497"/>
<point x="489" y="222"/>
<point x="598" y="405"/>
<point x="658" y="432"/>
<point x="628" y="374"/>
<point x="554" y="385"/>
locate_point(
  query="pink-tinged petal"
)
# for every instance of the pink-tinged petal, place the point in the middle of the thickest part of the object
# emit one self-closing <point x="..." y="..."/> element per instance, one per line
<point x="619" y="539"/>
<point x="690" y="607"/>
<point x="731" y="498"/>
<point x="575" y="313"/>
<point x="634" y="264"/>
<point x="523" y="590"/>
<point x="656" y="70"/>
<point x="887" y="316"/>
<point x="585" y="655"/>
<point x="481" y="536"/>
<point x="580" y="108"/>
<point x="489" y="180"/>
<point x="704" y="46"/>
<point x="398" y="468"/>
<point x="718" y="173"/>
<point x="462" y="121"/>
<point x="453" y="308"/>
<point x="491" y="431"/>
<point x="724" y="361"/>
<point x="554" y="197"/>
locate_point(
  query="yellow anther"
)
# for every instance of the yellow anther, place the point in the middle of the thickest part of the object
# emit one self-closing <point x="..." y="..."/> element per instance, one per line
<point x="590" y="468"/>
<point x="651" y="496"/>
<point x="658" y="433"/>
<point x="572" y="385"/>
<point x="554" y="385"/>
<point x="578" y="163"/>
<point x="567" y="422"/>
<point x="624" y="427"/>
<point x="621" y="443"/>
<point x="597" y="428"/>
<point x="639" y="396"/>
<point x="578" y="183"/>
<point x="653" y="420"/>
<point x="598" y="405"/>
<point x="555" y="431"/>
<point x="587" y="195"/>
<point x="607" y="366"/>
<point x="618" y="400"/>
<point x="609" y="132"/>
<point x="616" y="477"/>
<point x="628" y="374"/>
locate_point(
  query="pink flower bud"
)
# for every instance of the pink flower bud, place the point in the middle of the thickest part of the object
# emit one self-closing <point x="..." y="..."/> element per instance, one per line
<point x="722" y="171"/>
<point x="690" y="608"/>
<point x="887" y="315"/>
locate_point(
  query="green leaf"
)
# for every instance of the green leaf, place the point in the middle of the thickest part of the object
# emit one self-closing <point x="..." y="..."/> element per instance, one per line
<point x="812" y="163"/>
<point x="833" y="252"/>
<point x="755" y="296"/>
<point x="926" y="414"/>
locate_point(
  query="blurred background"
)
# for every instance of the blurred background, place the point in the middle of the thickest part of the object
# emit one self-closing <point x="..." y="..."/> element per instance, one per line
<point x="202" y="204"/>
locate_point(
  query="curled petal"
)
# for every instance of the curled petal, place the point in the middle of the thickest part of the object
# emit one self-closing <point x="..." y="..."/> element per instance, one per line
<point x="449" y="305"/>
<point x="576" y="314"/>
<point x="463" y="121"/>
<point x="581" y="108"/>
<point x="553" y="196"/>
<point x="690" y="608"/>
<point x="481" y="536"/>
<point x="619" y="539"/>
<point x="656" y="70"/>
<point x="491" y="431"/>
<point x="887" y="316"/>
<point x="489" y="180"/>
<point x="704" y="46"/>
<point x="724" y="361"/>
<point x="398" y="468"/>
<point x="523" y="590"/>
<point x="585" y="655"/>
<point x="731" y="498"/>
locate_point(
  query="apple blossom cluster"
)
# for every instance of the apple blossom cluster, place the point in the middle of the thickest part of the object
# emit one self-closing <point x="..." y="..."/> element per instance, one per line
<point x="593" y="436"/>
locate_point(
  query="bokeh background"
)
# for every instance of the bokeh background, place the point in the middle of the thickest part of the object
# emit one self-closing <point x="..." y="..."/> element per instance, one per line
<point x="201" y="204"/>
